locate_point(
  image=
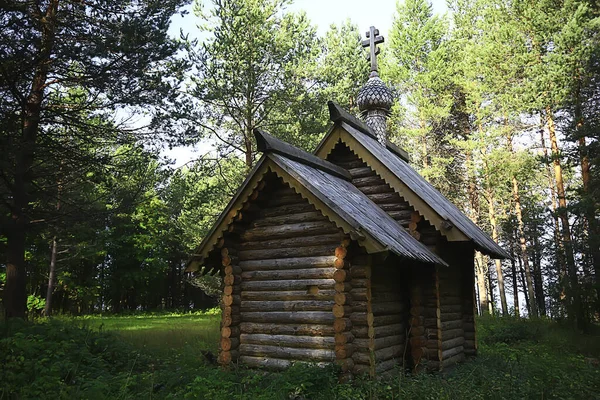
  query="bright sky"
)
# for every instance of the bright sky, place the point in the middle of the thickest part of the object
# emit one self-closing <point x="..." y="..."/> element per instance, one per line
<point x="322" y="13"/>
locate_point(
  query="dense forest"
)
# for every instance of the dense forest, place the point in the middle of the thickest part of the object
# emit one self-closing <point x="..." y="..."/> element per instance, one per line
<point x="497" y="105"/>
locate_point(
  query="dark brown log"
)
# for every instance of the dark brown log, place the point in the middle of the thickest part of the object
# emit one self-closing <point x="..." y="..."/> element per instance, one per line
<point x="230" y="280"/>
<point x="285" y="210"/>
<point x="342" y="287"/>
<point x="359" y="294"/>
<point x="368" y="181"/>
<point x="296" y="305"/>
<point x="403" y="215"/>
<point x="377" y="189"/>
<point x="380" y="198"/>
<point x="308" y="241"/>
<point x="229" y="290"/>
<point x="345" y="351"/>
<point x="308" y="342"/>
<point x="387" y="308"/>
<point x="340" y="311"/>
<point x="342" y="325"/>
<point x="288" y="263"/>
<point x="396" y="206"/>
<point x="421" y="341"/>
<point x="380" y="343"/>
<point x="469" y="335"/>
<point x="416" y="311"/>
<point x="301" y="317"/>
<point x="380" y="331"/>
<point x="230" y="310"/>
<point x="322" y="294"/>
<point x="230" y="331"/>
<point x="339" y="263"/>
<point x="453" y="333"/>
<point x="309" y="216"/>
<point x="287" y="252"/>
<point x="452" y="352"/>
<point x="229" y="320"/>
<point x="384" y="354"/>
<point x="340" y="252"/>
<point x="346" y="364"/>
<point x="361" y="369"/>
<point x="227" y="357"/>
<point x="451" y="316"/>
<point x="361" y="172"/>
<point x="289" y="230"/>
<point x="299" y="284"/>
<point x="359" y="282"/>
<point x="289" y="329"/>
<point x="360" y="319"/>
<point x="356" y="163"/>
<point x="388" y="365"/>
<point x="432" y="323"/>
<point x="342" y="338"/>
<point x="448" y="344"/>
<point x="448" y="308"/>
<point x="287" y="352"/>
<point x="436" y="365"/>
<point x="308" y="273"/>
<point x="232" y="270"/>
<point x="340" y="298"/>
<point x="339" y="275"/>
<point x="360" y="271"/>
<point x="229" y="300"/>
<point x="276" y="200"/>
<point x="229" y="343"/>
<point x="382" y="320"/>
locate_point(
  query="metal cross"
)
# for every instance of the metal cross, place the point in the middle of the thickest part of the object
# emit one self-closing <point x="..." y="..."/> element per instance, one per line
<point x="372" y="41"/>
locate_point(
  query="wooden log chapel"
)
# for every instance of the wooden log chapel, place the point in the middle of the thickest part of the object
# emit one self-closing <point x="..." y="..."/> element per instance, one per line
<point x="346" y="255"/>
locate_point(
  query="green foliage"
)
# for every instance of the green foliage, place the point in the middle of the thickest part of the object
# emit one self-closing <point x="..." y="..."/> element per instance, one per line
<point x="35" y="304"/>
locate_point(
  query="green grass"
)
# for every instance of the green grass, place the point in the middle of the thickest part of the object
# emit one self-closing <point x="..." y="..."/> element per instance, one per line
<point x="159" y="356"/>
<point x="162" y="333"/>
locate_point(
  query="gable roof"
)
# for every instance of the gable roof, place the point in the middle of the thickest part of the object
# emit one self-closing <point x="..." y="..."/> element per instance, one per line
<point x="425" y="198"/>
<point x="331" y="192"/>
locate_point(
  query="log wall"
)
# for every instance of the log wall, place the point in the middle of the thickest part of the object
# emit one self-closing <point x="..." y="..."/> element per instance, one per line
<point x="280" y="285"/>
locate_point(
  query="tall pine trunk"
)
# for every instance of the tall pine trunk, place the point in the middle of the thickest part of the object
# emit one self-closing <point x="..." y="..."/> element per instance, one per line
<point x="499" y="273"/>
<point x="15" y="295"/>
<point x="51" y="277"/>
<point x="576" y="309"/>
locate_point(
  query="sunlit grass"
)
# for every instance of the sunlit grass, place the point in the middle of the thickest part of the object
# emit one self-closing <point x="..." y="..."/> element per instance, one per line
<point x="187" y="334"/>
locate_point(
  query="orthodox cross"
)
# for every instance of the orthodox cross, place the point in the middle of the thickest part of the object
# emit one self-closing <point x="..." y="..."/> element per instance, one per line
<point x="372" y="41"/>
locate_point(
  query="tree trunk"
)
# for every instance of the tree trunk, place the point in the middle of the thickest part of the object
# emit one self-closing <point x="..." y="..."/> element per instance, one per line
<point x="480" y="268"/>
<point x="528" y="302"/>
<point x="499" y="274"/>
<point x="515" y="283"/>
<point x="51" y="278"/>
<point x="537" y="276"/>
<point x="576" y="309"/>
<point x="523" y="244"/>
<point x="15" y="295"/>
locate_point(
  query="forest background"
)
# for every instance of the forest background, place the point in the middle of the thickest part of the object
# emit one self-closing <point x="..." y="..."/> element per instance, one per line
<point x="497" y="107"/>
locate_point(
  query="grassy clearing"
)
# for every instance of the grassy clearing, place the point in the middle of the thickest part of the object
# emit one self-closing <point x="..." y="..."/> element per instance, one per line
<point x="159" y="357"/>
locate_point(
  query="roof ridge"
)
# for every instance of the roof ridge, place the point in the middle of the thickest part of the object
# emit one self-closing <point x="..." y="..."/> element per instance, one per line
<point x="269" y="144"/>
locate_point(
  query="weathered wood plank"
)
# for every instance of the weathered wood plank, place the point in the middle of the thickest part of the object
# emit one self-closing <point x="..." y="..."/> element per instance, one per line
<point x="288" y="263"/>
<point x="289" y="353"/>
<point x="308" y="241"/>
<point x="300" y="317"/>
<point x="324" y="294"/>
<point x="287" y="329"/>
<point x="287" y="274"/>
<point x="282" y="285"/>
<point x="289" y="230"/>
<point x="296" y="305"/>
<point x="308" y="342"/>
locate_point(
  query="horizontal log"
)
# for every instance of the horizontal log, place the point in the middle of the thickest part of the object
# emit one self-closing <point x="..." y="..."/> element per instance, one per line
<point x="360" y="271"/>
<point x="317" y="317"/>
<point x="387" y="365"/>
<point x="345" y="351"/>
<point x="421" y="341"/>
<point x="323" y="294"/>
<point x="229" y="343"/>
<point x="230" y="320"/>
<point x="229" y="289"/>
<point x="289" y="353"/>
<point x="384" y="354"/>
<point x="342" y="287"/>
<point x="287" y="274"/>
<point x="380" y="343"/>
<point x="287" y="329"/>
<point x="381" y="295"/>
<point x="289" y="230"/>
<point x="470" y="352"/>
<point x="229" y="300"/>
<point x="285" y="199"/>
<point x="359" y="282"/>
<point x="340" y="298"/>
<point x="342" y="325"/>
<point x="340" y="311"/>
<point x="358" y="294"/>
<point x="436" y="365"/>
<point x="230" y="310"/>
<point x="469" y="344"/>
<point x="287" y="252"/>
<point x="445" y="325"/>
<point x="230" y="331"/>
<point x="287" y="209"/>
<point x="308" y="241"/>
<point x="448" y="344"/>
<point x="396" y="206"/>
<point x="469" y="335"/>
<point x="343" y="338"/>
<point x="452" y="333"/>
<point x="288" y="285"/>
<point x="230" y="280"/>
<point x="368" y="181"/>
<point x="360" y="172"/>
<point x="451" y="316"/>
<point x="227" y="357"/>
<point x="309" y="216"/>
<point x="296" y="305"/>
<point x="361" y="369"/>
<point x="360" y="318"/>
<point x="340" y="275"/>
<point x="376" y="189"/>
<point x="232" y="270"/>
<point x="356" y="163"/>
<point x="390" y="319"/>
<point x="288" y="263"/>
<point x="340" y="252"/>
<point x="379" y="198"/>
<point x="431" y="312"/>
<point x="380" y="331"/>
<point x="387" y="308"/>
<point x="452" y="352"/>
<point x="309" y="342"/>
<point x="346" y="364"/>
